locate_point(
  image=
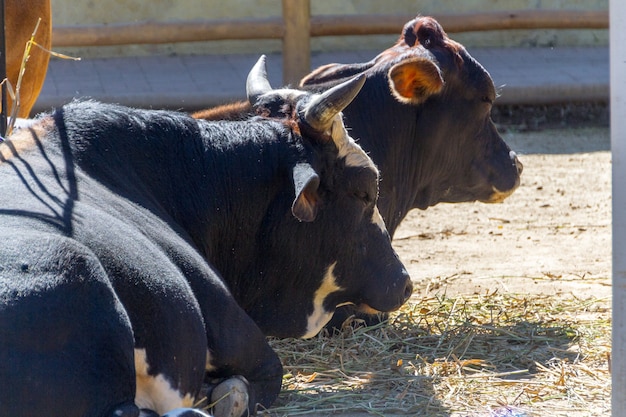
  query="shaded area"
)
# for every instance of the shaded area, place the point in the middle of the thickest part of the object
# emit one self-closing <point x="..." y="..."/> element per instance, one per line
<point x="558" y="141"/>
<point x="523" y="118"/>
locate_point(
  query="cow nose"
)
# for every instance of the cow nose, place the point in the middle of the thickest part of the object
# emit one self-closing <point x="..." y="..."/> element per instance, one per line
<point x="408" y="289"/>
<point x="517" y="163"/>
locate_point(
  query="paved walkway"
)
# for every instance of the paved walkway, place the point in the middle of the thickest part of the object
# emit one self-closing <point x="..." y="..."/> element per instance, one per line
<point x="525" y="75"/>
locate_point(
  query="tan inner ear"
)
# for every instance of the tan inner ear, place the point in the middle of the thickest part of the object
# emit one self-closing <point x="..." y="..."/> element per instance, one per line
<point x="413" y="81"/>
<point x="305" y="206"/>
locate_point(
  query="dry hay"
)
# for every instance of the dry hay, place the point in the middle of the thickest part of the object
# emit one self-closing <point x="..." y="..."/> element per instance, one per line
<point x="487" y="355"/>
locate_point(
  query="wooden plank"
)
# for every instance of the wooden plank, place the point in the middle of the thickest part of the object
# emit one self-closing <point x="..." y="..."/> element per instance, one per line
<point x="332" y="25"/>
<point x="166" y="32"/>
<point x="526" y="19"/>
<point x="299" y="21"/>
<point x="296" y="41"/>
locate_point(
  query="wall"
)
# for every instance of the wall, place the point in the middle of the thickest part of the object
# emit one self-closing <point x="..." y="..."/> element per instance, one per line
<point x="92" y="12"/>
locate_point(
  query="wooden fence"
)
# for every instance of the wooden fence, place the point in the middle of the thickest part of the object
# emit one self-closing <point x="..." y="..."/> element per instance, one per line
<point x="296" y="26"/>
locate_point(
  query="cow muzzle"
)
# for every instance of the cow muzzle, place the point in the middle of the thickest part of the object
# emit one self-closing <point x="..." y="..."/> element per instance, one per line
<point x="389" y="304"/>
<point x="498" y="196"/>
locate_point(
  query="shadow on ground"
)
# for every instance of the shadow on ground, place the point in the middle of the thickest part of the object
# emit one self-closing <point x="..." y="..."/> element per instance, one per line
<point x="426" y="354"/>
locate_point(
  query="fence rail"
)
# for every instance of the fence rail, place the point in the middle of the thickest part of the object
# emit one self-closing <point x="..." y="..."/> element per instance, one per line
<point x="295" y="27"/>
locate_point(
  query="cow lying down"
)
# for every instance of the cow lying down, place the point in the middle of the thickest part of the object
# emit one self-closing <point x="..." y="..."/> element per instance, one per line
<point x="121" y="226"/>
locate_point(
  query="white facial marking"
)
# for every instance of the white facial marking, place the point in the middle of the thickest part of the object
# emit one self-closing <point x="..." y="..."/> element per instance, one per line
<point x="354" y="155"/>
<point x="320" y="315"/>
<point x="155" y="392"/>
<point x="377" y="219"/>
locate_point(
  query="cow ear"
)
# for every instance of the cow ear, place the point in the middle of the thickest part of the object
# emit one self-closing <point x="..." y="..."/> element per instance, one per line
<point x="307" y="201"/>
<point x="413" y="81"/>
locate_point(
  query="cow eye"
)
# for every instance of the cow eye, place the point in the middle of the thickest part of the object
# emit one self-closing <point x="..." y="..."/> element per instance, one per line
<point x="363" y="196"/>
<point x="487" y="99"/>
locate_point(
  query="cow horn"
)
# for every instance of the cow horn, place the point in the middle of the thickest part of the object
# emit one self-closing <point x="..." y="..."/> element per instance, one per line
<point x="320" y="111"/>
<point x="257" y="83"/>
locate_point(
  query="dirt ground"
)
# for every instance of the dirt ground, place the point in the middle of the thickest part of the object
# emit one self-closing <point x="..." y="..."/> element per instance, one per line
<point x="553" y="235"/>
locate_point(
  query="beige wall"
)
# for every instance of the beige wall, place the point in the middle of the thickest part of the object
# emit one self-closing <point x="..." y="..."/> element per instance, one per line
<point x="97" y="12"/>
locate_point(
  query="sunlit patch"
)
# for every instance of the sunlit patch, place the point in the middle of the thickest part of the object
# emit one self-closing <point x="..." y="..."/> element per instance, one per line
<point x="155" y="392"/>
<point x="320" y="315"/>
<point x="377" y="219"/>
<point x="24" y="137"/>
<point x="229" y="111"/>
<point x="348" y="149"/>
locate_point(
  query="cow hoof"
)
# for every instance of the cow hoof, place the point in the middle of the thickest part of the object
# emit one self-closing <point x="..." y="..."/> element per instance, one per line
<point x="186" y="412"/>
<point x="230" y="398"/>
<point x="126" y="410"/>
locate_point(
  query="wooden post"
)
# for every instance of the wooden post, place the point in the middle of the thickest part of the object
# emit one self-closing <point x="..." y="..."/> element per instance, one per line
<point x="296" y="40"/>
<point x="3" y="73"/>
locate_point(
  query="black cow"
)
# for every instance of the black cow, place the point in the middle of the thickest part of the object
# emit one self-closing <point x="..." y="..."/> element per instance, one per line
<point x="120" y="226"/>
<point x="424" y="117"/>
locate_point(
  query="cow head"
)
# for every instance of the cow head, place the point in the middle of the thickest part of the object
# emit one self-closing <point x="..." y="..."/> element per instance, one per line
<point x="469" y="93"/>
<point x="424" y="116"/>
<point x="324" y="243"/>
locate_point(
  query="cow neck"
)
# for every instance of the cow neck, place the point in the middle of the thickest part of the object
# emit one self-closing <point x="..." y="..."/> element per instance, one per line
<point x="243" y="168"/>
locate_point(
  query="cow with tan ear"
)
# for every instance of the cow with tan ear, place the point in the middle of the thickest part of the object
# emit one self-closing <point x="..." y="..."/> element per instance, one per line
<point x="20" y="21"/>
<point x="430" y="132"/>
